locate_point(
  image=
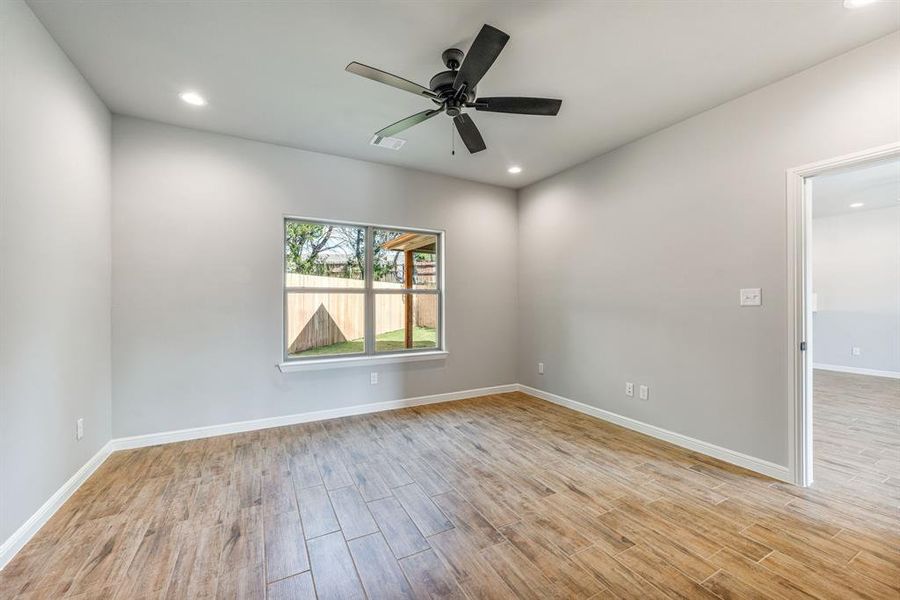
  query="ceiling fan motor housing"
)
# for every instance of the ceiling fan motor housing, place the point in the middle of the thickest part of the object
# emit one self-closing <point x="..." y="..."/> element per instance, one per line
<point x="442" y="83"/>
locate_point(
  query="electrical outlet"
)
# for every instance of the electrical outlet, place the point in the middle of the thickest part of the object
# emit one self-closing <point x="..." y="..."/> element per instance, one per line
<point x="629" y="389"/>
<point x="540" y="368"/>
<point x="644" y="392"/>
<point x="855" y="351"/>
<point x="79" y="429"/>
<point x="373" y="377"/>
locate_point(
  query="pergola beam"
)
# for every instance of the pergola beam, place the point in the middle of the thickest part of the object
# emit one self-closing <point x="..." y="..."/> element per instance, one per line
<point x="408" y="305"/>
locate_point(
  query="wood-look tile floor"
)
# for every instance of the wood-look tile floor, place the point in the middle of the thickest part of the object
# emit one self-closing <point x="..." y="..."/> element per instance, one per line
<point x="497" y="497"/>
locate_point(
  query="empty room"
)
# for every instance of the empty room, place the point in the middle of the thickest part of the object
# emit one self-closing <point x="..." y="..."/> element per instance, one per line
<point x="855" y="326"/>
<point x="449" y="299"/>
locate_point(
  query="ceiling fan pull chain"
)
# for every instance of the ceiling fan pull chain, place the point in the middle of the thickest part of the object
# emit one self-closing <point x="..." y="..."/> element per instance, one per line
<point x="452" y="141"/>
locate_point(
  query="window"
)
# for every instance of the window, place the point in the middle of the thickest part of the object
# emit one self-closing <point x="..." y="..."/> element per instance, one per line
<point x="360" y="290"/>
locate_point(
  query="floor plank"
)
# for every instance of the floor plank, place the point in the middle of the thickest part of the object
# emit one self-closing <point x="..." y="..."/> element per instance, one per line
<point x="401" y="533"/>
<point x="333" y="570"/>
<point x="424" y="513"/>
<point x="316" y="512"/>
<point x="430" y="578"/>
<point x="196" y="572"/>
<point x="353" y="516"/>
<point x="379" y="571"/>
<point x="298" y="587"/>
<point x="284" y="546"/>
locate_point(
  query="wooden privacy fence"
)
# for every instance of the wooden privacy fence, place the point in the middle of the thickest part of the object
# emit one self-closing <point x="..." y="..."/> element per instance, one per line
<point x="320" y="319"/>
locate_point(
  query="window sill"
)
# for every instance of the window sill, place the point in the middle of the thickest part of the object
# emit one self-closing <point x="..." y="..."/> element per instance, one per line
<point x="359" y="361"/>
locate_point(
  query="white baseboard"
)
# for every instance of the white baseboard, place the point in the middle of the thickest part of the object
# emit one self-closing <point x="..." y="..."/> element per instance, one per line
<point x="857" y="370"/>
<point x="14" y="543"/>
<point x="759" y="465"/>
<point x="180" y="435"/>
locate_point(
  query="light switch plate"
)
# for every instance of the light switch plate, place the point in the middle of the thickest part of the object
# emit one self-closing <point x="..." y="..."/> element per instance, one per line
<point x="644" y="392"/>
<point x="751" y="297"/>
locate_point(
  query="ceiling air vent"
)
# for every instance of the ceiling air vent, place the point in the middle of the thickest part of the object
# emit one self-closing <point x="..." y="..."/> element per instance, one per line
<point x="391" y="143"/>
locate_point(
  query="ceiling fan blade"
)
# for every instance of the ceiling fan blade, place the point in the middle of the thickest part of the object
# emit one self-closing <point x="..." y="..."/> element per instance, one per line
<point x="389" y="79"/>
<point x="469" y="133"/>
<point x="519" y="106"/>
<point x="482" y="54"/>
<point x="408" y="122"/>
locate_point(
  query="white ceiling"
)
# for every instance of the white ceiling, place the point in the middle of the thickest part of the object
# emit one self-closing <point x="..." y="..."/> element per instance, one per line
<point x="274" y="71"/>
<point x="875" y="185"/>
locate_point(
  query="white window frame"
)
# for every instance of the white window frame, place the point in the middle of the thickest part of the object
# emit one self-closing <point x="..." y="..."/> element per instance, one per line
<point x="369" y="356"/>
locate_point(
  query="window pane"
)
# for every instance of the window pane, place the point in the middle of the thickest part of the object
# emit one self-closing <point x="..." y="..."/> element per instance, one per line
<point x="396" y="329"/>
<point x="322" y="255"/>
<point x="324" y="324"/>
<point x="404" y="257"/>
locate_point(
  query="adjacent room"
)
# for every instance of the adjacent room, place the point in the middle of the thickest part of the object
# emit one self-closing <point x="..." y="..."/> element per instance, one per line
<point x="378" y="300"/>
<point x="855" y="307"/>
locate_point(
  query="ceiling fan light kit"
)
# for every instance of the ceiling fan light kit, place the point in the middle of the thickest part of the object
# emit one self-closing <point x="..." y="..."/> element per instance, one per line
<point x="454" y="90"/>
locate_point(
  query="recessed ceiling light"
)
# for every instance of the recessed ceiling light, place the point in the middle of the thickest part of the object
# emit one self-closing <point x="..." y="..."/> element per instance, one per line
<point x="193" y="98"/>
<point x="856" y="205"/>
<point x="514" y="169"/>
<point x="857" y="3"/>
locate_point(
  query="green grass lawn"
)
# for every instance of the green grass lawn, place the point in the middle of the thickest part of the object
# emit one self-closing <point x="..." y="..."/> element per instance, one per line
<point x="423" y="337"/>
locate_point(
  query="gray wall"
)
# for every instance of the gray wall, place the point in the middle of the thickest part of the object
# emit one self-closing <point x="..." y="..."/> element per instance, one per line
<point x="54" y="267"/>
<point x="856" y="277"/>
<point x="630" y="264"/>
<point x="197" y="258"/>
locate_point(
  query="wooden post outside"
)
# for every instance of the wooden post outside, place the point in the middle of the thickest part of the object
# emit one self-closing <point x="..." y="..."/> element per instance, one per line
<point x="408" y="283"/>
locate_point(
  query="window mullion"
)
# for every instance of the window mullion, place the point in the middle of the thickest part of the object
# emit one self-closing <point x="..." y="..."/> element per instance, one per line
<point x="370" y="296"/>
<point x="439" y="285"/>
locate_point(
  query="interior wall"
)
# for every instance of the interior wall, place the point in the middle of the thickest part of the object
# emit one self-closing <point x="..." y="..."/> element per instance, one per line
<point x="856" y="279"/>
<point x="197" y="276"/>
<point x="630" y="265"/>
<point x="54" y="267"/>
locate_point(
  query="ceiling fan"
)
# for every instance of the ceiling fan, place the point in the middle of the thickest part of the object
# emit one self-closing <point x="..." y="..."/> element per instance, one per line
<point x="454" y="90"/>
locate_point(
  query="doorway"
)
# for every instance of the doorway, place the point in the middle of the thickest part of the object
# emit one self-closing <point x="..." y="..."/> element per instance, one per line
<point x="844" y="319"/>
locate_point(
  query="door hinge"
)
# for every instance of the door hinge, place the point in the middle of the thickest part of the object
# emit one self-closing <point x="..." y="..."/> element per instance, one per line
<point x="802" y="346"/>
